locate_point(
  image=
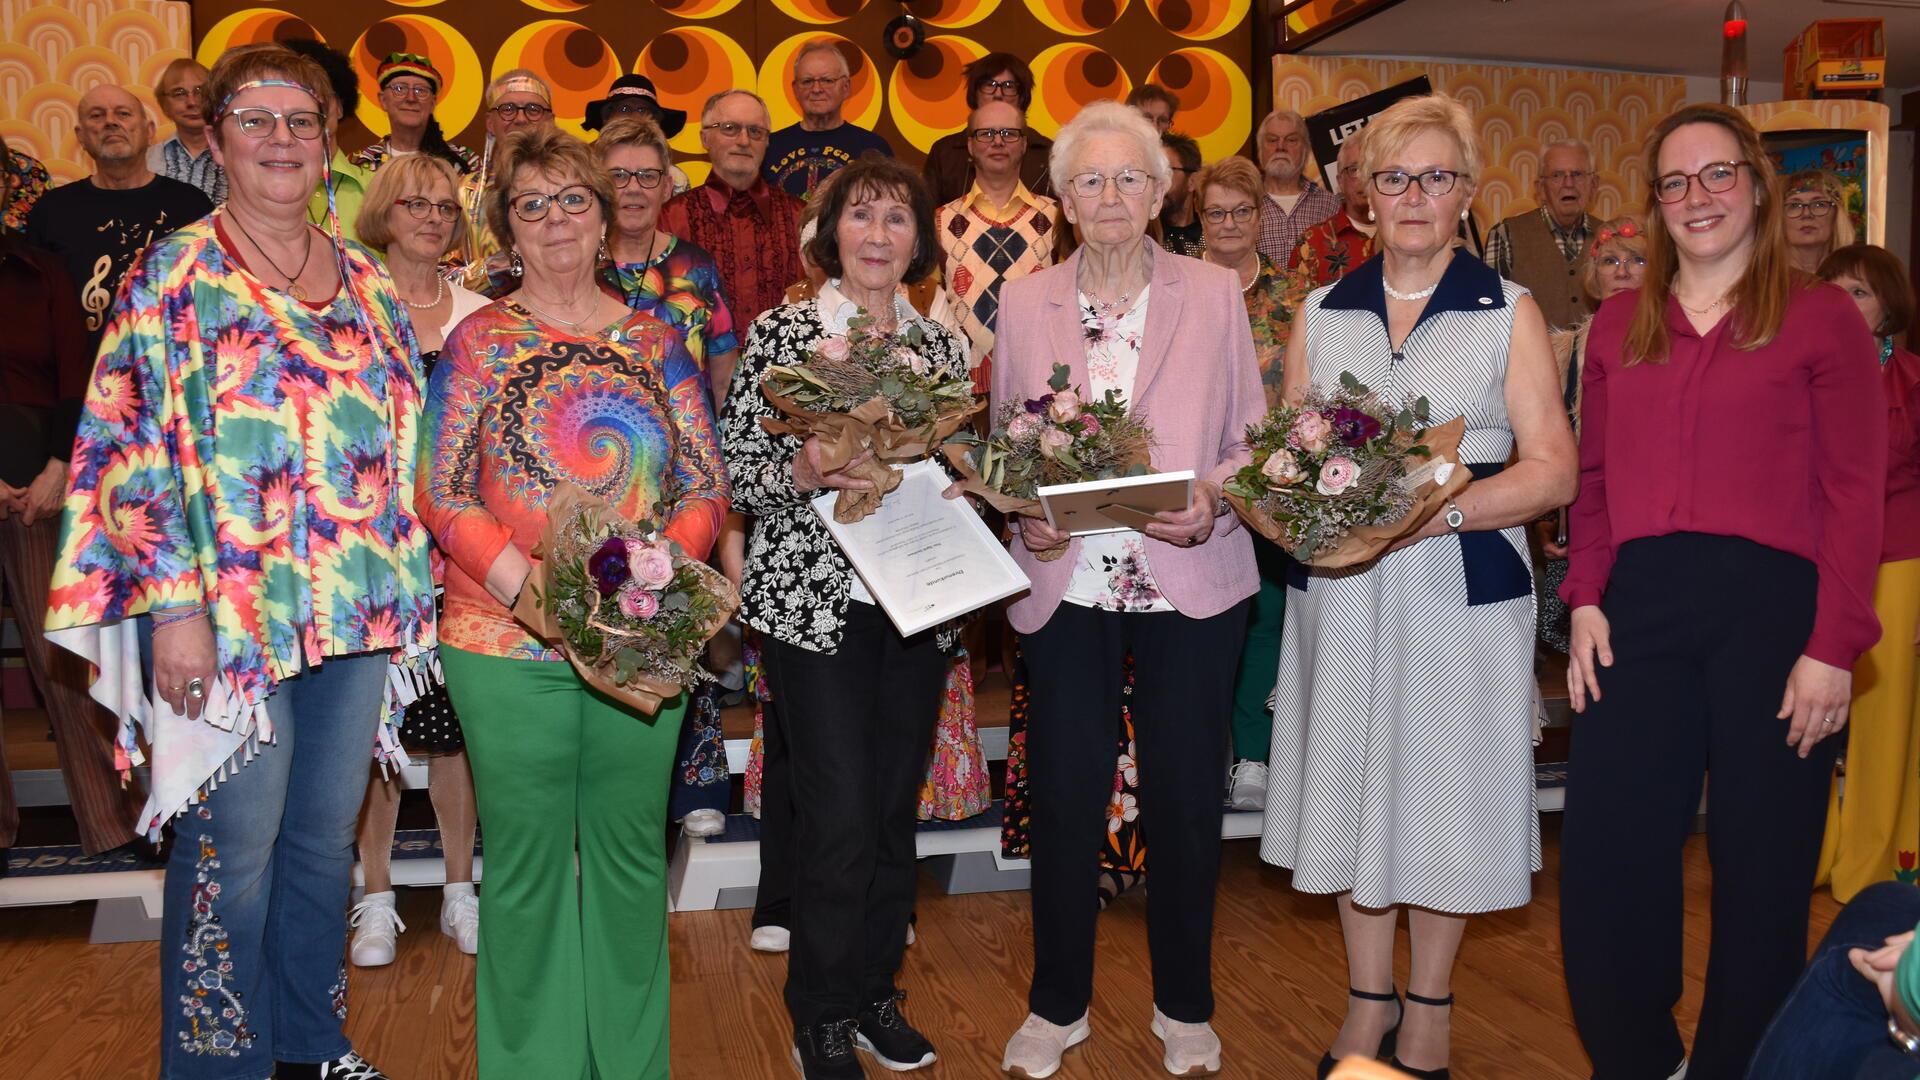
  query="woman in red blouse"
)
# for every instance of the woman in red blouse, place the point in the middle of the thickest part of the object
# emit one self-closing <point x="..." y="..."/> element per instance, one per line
<point x="1721" y="573"/>
<point x="1874" y="826"/>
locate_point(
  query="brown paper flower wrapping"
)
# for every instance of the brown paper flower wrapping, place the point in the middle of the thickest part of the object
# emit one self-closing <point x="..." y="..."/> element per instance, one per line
<point x="1010" y="505"/>
<point x="873" y="425"/>
<point x="644" y="691"/>
<point x="1368" y="542"/>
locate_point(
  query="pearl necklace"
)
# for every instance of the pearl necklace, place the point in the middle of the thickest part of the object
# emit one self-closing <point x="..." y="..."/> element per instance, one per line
<point x="1398" y="295"/>
<point x="439" y="294"/>
<point x="1248" y="287"/>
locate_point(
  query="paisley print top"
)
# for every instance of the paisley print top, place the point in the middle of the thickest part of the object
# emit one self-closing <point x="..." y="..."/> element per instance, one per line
<point x="245" y="451"/>
<point x="518" y="405"/>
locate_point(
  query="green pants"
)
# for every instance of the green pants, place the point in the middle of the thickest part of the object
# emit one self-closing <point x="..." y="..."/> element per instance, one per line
<point x="1260" y="656"/>
<point x="572" y="974"/>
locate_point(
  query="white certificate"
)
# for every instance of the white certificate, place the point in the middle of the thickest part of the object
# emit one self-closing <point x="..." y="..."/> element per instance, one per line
<point x="1092" y="507"/>
<point x="926" y="559"/>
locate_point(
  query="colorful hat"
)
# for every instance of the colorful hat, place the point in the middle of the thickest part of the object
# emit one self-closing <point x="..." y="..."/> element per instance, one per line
<point x="402" y="63"/>
<point x="636" y="89"/>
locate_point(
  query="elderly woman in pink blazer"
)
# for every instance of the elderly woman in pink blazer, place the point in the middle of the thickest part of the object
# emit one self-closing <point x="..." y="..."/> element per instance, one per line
<point x="1169" y="333"/>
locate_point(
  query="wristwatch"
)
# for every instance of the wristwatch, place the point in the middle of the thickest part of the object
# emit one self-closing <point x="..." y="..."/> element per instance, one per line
<point x="1455" y="518"/>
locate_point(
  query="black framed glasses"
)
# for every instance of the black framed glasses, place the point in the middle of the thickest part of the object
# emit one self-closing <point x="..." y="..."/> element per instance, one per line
<point x="575" y="199"/>
<point x="647" y="178"/>
<point x="1434" y="182"/>
<point x="1129" y="182"/>
<point x="258" y="123"/>
<point x="1240" y="214"/>
<point x="989" y="135"/>
<point x="1001" y="86"/>
<point x="420" y="206"/>
<point x="1810" y="208"/>
<point x="532" y="110"/>
<point x="1715" y="178"/>
<point x="732" y="130"/>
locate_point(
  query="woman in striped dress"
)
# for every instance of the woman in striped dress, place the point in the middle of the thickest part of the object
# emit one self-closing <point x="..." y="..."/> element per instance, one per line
<point x="1402" y="767"/>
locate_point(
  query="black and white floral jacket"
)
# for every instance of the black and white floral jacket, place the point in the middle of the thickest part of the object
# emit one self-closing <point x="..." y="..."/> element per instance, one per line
<point x="796" y="582"/>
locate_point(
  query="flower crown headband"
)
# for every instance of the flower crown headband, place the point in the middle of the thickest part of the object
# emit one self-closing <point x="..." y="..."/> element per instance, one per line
<point x="1627" y="231"/>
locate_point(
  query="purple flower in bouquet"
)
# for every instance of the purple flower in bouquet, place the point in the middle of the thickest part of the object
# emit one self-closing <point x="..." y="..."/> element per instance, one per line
<point x="608" y="566"/>
<point x="638" y="603"/>
<point x="1038" y="405"/>
<point x="1353" y="427"/>
<point x="652" y="566"/>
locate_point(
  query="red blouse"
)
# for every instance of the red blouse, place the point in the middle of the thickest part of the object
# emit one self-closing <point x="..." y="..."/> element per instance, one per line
<point x="1766" y="444"/>
<point x="1902" y="375"/>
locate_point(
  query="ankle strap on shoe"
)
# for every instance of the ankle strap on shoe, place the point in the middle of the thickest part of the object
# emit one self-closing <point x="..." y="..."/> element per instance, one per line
<point x="1421" y="999"/>
<point x="1367" y="995"/>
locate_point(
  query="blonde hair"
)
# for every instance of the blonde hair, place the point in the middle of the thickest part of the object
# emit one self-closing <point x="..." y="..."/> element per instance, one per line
<point x="1609" y="234"/>
<point x="1761" y="295"/>
<point x="1828" y="184"/>
<point x="547" y="149"/>
<point x="632" y="130"/>
<point x="1389" y="133"/>
<point x="402" y="178"/>
<point x="1234" y="174"/>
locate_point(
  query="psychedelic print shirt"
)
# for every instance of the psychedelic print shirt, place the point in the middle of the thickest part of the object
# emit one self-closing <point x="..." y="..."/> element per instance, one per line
<point x="516" y="406"/>
<point x="682" y="289"/>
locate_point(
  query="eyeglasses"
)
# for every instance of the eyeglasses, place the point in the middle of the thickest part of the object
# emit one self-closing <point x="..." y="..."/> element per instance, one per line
<point x="1001" y="86"/>
<point x="188" y="93"/>
<point x="413" y="90"/>
<point x="817" y="82"/>
<point x="648" y="178"/>
<point x="1812" y="208"/>
<point x="731" y="130"/>
<point x="532" y="110"/>
<point x="989" y="135"/>
<point x="1434" y="182"/>
<point x="1561" y="176"/>
<point x="1615" y="262"/>
<point x="575" y="199"/>
<point x="1714" y="178"/>
<point x="418" y="207"/>
<point x="258" y="123"/>
<point x="1240" y="214"/>
<point x="1089" y="185"/>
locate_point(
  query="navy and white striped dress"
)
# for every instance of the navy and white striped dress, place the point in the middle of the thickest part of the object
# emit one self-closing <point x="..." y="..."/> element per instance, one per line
<point x="1402" y="756"/>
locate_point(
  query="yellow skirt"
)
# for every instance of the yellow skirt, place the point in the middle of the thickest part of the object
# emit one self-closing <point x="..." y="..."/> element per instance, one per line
<point x="1873" y="831"/>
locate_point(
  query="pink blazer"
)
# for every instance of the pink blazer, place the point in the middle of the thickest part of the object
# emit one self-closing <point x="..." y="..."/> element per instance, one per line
<point x="1198" y="387"/>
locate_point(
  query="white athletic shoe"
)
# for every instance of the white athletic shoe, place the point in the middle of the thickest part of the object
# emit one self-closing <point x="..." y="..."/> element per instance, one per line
<point x="1249" y="785"/>
<point x="770" y="939"/>
<point x="460" y="917"/>
<point x="704" y="823"/>
<point x="375" y="926"/>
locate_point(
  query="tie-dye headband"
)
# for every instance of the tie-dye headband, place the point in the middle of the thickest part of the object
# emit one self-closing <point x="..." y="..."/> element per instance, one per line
<point x="525" y="85"/>
<point x="221" y="112"/>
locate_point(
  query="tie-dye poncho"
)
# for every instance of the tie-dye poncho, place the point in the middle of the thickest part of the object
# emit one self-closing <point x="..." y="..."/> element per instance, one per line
<point x="245" y="451"/>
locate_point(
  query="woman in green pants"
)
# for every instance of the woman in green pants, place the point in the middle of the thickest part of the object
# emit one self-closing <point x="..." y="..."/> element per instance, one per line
<point x="558" y="382"/>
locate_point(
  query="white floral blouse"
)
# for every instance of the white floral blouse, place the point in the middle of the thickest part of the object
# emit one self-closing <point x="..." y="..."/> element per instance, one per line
<point x="1112" y="573"/>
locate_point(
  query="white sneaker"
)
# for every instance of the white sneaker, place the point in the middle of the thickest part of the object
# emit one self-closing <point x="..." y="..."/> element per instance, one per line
<point x="375" y="925"/>
<point x="1192" y="1049"/>
<point x="911" y="936"/>
<point x="770" y="939"/>
<point x="704" y="823"/>
<point x="1249" y="785"/>
<point x="460" y="917"/>
<point x="1034" y="1051"/>
<point x="1681" y="1072"/>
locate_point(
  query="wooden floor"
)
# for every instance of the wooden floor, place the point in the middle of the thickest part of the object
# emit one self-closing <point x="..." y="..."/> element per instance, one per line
<point x="71" y="1011"/>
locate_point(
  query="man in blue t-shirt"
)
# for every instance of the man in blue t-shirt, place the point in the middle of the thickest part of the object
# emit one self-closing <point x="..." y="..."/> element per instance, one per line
<point x="800" y="156"/>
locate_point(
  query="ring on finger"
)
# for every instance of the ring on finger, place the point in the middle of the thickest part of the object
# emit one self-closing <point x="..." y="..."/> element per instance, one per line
<point x="1828" y="722"/>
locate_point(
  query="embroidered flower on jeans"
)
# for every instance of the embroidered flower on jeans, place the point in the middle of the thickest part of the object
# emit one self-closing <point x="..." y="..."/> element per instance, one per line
<point x="216" y="1020"/>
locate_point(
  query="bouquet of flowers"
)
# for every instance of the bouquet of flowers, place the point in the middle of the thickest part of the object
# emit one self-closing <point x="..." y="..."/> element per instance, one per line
<point x="1056" y="438"/>
<point x="1336" y="479"/>
<point x="868" y="391"/>
<point x="631" y="611"/>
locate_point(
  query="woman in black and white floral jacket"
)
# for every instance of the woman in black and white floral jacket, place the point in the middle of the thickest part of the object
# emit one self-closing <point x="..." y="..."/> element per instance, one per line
<point x="856" y="703"/>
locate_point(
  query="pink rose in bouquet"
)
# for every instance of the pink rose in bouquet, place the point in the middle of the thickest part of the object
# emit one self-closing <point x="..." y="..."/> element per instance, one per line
<point x="1064" y="407"/>
<point x="1282" y="467"/>
<point x="1337" y="475"/>
<point x="1023" y="427"/>
<point x="638" y="603"/>
<point x="1312" y="432"/>
<point x="652" y="566"/>
<point x="1089" y="425"/>
<point x="1053" y="440"/>
<point x="834" y="348"/>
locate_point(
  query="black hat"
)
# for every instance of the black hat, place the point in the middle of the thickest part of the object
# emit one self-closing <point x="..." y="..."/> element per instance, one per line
<point x="641" y="88"/>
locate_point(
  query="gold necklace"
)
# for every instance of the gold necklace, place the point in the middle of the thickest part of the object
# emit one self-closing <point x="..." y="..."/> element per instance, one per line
<point x="1702" y="312"/>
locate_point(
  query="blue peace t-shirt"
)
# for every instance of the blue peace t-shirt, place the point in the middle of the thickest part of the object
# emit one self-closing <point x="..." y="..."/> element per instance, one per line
<point x="798" y="159"/>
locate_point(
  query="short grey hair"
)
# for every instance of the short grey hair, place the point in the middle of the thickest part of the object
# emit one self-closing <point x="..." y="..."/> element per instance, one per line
<point x="1106" y="118"/>
<point x="826" y="45"/>
<point x="713" y="102"/>
<point x="1568" y="144"/>
<point x="1282" y="114"/>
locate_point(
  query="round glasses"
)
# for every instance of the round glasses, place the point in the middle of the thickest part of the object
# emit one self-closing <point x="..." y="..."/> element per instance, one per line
<point x="575" y="199"/>
<point x="419" y="207"/>
<point x="408" y="90"/>
<point x="532" y="110"/>
<point x="1129" y="182"/>
<point x="647" y="178"/>
<point x="258" y="123"/>
<point x="187" y="93"/>
<point x="1715" y="178"/>
<point x="1615" y="262"/>
<point x="1240" y="214"/>
<point x="1434" y="182"/>
<point x="1811" y="208"/>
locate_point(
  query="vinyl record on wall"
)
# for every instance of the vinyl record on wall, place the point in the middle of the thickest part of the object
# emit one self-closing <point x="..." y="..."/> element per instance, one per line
<point x="905" y="36"/>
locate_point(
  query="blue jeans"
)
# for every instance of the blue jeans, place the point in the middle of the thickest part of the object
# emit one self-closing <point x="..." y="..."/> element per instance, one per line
<point x="253" y="938"/>
<point x="1834" y="1025"/>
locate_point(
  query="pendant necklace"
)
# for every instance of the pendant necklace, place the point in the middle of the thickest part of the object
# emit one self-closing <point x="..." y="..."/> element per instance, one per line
<point x="293" y="279"/>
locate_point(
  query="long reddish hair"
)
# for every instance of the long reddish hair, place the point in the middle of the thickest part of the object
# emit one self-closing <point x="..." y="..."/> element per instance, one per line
<point x="1761" y="295"/>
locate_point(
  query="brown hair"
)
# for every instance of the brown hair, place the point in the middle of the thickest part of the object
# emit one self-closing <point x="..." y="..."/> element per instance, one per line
<point x="1880" y="270"/>
<point x="402" y="178"/>
<point x="1827" y="184"/>
<point x="1761" y="295"/>
<point x="630" y="130"/>
<point x="1234" y="174"/>
<point x="237" y="67"/>
<point x="1146" y="92"/>
<point x="547" y="149"/>
<point x="982" y="71"/>
<point x="862" y="181"/>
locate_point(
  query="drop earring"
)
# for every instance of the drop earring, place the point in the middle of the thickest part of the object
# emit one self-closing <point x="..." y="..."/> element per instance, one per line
<point x="516" y="267"/>
<point x="605" y="256"/>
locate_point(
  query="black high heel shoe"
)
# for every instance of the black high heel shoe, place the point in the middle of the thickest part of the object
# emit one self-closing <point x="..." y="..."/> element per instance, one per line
<point x="1387" y="1041"/>
<point x="1425" y="1074"/>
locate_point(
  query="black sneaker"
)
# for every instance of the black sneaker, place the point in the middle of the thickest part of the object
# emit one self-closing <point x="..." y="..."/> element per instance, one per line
<point x="893" y="1042"/>
<point x="825" y="1051"/>
<point x="348" y="1066"/>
